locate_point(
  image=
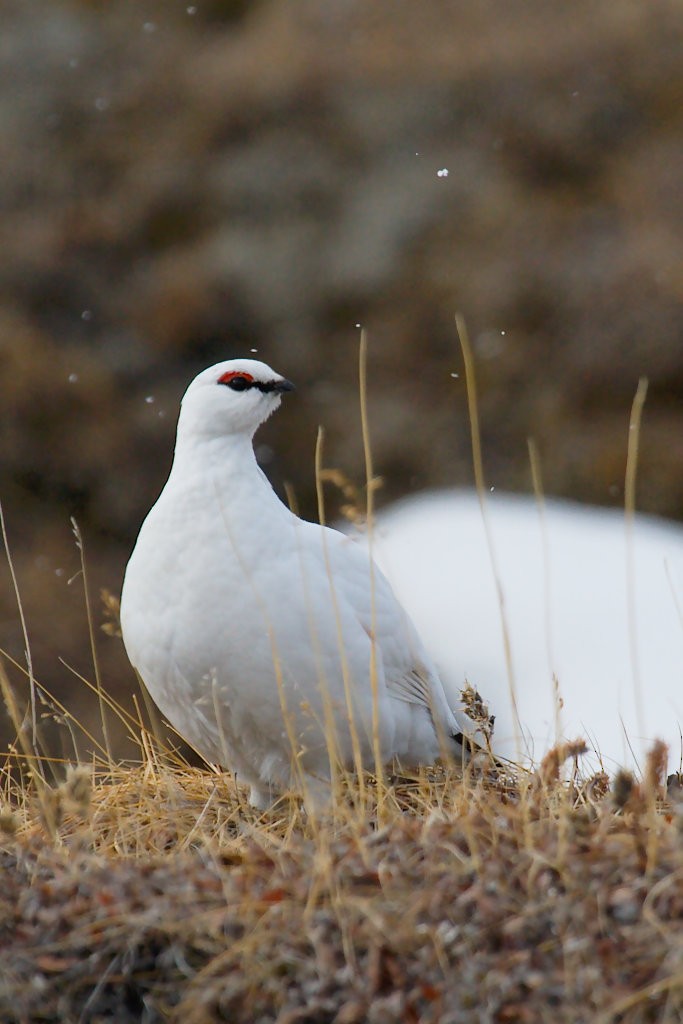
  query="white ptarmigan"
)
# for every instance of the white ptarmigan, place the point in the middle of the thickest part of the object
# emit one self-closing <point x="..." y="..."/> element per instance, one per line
<point x="260" y="635"/>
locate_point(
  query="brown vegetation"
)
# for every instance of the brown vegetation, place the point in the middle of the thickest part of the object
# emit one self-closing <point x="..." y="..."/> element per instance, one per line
<point x="154" y="894"/>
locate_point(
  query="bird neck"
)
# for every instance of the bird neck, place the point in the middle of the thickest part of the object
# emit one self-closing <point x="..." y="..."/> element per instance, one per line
<point x="230" y="455"/>
<point x="223" y="464"/>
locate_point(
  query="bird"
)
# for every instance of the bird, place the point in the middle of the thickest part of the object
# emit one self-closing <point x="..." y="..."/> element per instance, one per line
<point x="272" y="644"/>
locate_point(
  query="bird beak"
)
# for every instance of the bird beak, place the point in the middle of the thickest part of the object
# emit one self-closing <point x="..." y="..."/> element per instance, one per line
<point x="283" y="385"/>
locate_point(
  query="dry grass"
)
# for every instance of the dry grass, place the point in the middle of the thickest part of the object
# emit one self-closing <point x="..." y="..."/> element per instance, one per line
<point x="153" y="893"/>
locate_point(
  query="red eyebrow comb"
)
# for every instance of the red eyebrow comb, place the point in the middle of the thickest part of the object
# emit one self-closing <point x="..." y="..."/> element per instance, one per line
<point x="229" y="375"/>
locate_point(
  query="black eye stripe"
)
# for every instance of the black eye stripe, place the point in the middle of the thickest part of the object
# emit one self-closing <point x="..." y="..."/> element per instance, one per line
<point x="244" y="384"/>
<point x="239" y="383"/>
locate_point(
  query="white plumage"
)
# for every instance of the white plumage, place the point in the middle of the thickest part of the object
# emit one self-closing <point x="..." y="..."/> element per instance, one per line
<point x="253" y="629"/>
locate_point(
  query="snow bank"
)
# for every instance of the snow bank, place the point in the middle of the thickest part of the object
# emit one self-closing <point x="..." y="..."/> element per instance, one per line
<point x="606" y="637"/>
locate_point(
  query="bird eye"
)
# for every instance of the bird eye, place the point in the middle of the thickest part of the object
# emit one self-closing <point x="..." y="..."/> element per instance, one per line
<point x="237" y="381"/>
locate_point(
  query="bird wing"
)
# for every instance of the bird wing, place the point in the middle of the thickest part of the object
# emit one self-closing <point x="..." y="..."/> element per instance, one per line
<point x="407" y="671"/>
<point x="409" y="675"/>
<point x="412" y="688"/>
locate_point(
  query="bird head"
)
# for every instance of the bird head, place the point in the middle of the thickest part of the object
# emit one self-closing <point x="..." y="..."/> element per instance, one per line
<point x="233" y="397"/>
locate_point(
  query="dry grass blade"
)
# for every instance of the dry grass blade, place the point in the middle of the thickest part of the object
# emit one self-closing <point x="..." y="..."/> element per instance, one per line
<point x="91" y="633"/>
<point x="478" y="463"/>
<point x="630" y="510"/>
<point x="370" y="496"/>
<point x="24" y="632"/>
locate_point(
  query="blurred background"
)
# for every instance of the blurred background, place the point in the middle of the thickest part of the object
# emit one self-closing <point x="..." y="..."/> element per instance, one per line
<point x="183" y="183"/>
